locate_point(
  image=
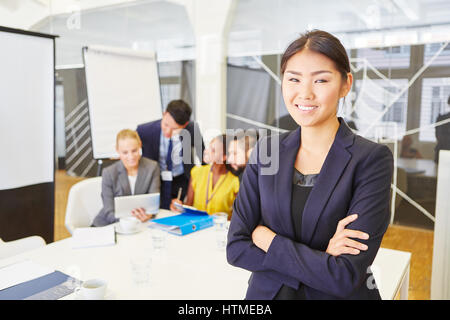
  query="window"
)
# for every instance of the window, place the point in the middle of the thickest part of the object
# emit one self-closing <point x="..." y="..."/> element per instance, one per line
<point x="246" y="61"/>
<point x="374" y="95"/>
<point x="435" y="93"/>
<point x="397" y="113"/>
<point x="388" y="57"/>
<point x="170" y="79"/>
<point x="169" y="92"/>
<point x="442" y="60"/>
<point x="169" y="69"/>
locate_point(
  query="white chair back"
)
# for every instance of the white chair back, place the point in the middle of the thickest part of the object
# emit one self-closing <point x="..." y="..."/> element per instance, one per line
<point x="83" y="204"/>
<point x="11" y="248"/>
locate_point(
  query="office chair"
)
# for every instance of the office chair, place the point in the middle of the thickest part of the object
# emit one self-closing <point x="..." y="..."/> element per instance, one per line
<point x="83" y="204"/>
<point x="11" y="248"/>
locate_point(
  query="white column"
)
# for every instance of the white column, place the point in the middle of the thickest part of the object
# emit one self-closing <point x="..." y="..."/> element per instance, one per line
<point x="211" y="21"/>
<point x="440" y="276"/>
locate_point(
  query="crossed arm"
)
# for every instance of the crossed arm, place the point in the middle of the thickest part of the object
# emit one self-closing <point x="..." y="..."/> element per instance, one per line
<point x="341" y="243"/>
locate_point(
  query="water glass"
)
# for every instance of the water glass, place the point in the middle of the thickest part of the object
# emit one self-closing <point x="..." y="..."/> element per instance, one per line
<point x="158" y="239"/>
<point x="220" y="220"/>
<point x="221" y="238"/>
<point x="220" y="225"/>
<point x="141" y="269"/>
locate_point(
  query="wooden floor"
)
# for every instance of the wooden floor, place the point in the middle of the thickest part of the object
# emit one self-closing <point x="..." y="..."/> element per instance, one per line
<point x="63" y="183"/>
<point x="417" y="241"/>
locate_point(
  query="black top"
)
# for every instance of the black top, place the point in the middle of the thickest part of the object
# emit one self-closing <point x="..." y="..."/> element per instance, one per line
<point x="302" y="186"/>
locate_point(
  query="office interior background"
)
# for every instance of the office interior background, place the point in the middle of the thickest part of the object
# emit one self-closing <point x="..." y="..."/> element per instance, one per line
<point x="400" y="58"/>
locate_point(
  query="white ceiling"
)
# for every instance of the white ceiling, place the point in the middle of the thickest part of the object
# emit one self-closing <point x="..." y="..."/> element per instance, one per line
<point x="258" y="26"/>
<point x="271" y="25"/>
<point x="145" y="25"/>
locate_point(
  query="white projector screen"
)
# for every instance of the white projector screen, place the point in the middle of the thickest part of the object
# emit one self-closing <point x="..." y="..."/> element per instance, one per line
<point x="123" y="91"/>
<point x="26" y="109"/>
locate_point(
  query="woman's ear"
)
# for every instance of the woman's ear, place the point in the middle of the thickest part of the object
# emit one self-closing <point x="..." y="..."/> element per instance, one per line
<point x="347" y="85"/>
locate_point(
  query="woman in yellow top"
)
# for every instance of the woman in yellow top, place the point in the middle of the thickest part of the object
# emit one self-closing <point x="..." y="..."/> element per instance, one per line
<point x="212" y="187"/>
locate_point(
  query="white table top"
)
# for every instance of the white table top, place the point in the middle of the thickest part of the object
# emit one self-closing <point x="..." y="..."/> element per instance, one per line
<point x="389" y="269"/>
<point x="192" y="267"/>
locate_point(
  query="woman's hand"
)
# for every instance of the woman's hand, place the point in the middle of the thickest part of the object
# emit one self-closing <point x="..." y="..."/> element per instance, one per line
<point x="173" y="207"/>
<point x="140" y="214"/>
<point x="341" y="242"/>
<point x="262" y="237"/>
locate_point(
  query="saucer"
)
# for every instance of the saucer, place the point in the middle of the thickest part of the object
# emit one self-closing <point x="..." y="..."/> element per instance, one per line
<point x="108" y="296"/>
<point x="119" y="229"/>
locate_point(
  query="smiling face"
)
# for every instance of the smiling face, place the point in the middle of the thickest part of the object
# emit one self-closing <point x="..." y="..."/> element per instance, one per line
<point x="312" y="87"/>
<point x="129" y="152"/>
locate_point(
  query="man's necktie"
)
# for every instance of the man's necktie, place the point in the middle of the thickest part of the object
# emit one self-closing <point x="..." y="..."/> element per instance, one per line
<point x="166" y="194"/>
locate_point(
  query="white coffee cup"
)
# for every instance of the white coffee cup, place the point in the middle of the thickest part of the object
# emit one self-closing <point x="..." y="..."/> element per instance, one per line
<point x="92" y="289"/>
<point x="129" y="224"/>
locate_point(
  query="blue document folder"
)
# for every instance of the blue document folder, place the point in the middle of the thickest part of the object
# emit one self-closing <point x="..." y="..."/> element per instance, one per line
<point x="49" y="287"/>
<point x="189" y="221"/>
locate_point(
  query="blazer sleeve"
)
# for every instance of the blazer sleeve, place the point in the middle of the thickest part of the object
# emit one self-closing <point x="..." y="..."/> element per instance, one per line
<point x="106" y="214"/>
<point x="155" y="184"/>
<point x="341" y="275"/>
<point x="246" y="216"/>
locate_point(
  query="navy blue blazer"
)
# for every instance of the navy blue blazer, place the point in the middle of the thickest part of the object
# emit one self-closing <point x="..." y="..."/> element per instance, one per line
<point x="355" y="178"/>
<point x="150" y="134"/>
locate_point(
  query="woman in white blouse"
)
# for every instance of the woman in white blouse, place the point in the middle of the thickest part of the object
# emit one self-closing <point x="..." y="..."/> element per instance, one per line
<point x="133" y="174"/>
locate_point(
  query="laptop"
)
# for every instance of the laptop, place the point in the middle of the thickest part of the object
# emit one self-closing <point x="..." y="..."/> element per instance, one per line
<point x="124" y="205"/>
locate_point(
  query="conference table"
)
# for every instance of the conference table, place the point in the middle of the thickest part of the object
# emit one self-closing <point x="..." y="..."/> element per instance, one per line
<point x="189" y="267"/>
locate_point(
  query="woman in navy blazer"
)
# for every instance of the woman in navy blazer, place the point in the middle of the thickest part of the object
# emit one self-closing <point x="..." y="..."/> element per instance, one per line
<point x="328" y="252"/>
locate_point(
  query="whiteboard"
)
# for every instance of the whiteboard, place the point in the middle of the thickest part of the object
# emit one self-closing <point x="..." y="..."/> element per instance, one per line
<point x="26" y="110"/>
<point x="123" y="92"/>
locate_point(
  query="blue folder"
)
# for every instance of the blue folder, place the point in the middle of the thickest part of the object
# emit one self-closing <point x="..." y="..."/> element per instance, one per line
<point x="49" y="287"/>
<point x="189" y="221"/>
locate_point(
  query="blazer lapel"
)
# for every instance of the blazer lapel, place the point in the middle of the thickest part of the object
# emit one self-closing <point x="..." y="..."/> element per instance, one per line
<point x="123" y="180"/>
<point x="283" y="179"/>
<point x="332" y="169"/>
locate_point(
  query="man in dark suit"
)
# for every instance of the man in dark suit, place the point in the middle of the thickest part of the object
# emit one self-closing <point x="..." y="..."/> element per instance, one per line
<point x="442" y="134"/>
<point x="176" y="135"/>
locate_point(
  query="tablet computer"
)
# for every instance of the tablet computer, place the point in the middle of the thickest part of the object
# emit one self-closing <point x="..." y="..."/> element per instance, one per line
<point x="124" y="205"/>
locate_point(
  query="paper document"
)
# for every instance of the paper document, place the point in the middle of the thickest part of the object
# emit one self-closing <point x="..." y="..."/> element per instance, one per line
<point x="93" y="237"/>
<point x="20" y="272"/>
